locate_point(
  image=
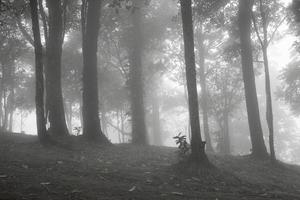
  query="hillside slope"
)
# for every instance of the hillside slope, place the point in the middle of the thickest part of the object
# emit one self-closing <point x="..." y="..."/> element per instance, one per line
<point x="84" y="171"/>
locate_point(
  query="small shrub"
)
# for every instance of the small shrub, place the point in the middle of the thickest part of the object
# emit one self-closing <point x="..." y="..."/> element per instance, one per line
<point x="183" y="145"/>
<point x="77" y="130"/>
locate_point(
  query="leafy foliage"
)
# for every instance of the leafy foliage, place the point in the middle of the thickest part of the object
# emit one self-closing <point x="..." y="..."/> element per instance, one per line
<point x="183" y="145"/>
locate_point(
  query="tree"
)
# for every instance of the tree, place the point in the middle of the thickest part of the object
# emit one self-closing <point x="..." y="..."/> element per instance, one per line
<point x="244" y="15"/>
<point x="204" y="95"/>
<point x="197" y="145"/>
<point x="39" y="96"/>
<point x="54" y="97"/>
<point x="136" y="85"/>
<point x="267" y="12"/>
<point x="90" y="108"/>
<point x="225" y="96"/>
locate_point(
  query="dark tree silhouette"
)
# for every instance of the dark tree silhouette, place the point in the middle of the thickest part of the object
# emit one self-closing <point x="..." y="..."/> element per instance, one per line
<point x="90" y="108"/>
<point x="258" y="146"/>
<point x="197" y="145"/>
<point x="54" y="97"/>
<point x="39" y="83"/>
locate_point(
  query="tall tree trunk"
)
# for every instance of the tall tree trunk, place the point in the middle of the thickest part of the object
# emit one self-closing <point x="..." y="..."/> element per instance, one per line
<point x="69" y="116"/>
<point x="122" y="126"/>
<point x="226" y="138"/>
<point x="1" y="104"/>
<point x="90" y="101"/>
<point x="139" y="132"/>
<point x="269" y="110"/>
<point x="156" y="120"/>
<point x="39" y="77"/>
<point x="258" y="146"/>
<point x="5" y="109"/>
<point x="204" y="105"/>
<point x="54" y="97"/>
<point x="197" y="145"/>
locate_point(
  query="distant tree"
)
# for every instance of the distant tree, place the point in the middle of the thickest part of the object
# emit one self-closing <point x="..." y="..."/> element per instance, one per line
<point x="197" y="145"/>
<point x="90" y="110"/>
<point x="270" y="21"/>
<point x="244" y="15"/>
<point x="204" y="10"/>
<point x="39" y="96"/>
<point x="225" y="96"/>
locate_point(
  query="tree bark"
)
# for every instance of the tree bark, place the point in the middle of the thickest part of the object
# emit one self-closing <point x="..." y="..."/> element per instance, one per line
<point x="54" y="97"/>
<point x="204" y="105"/>
<point x="39" y="77"/>
<point x="269" y="110"/>
<point x="226" y="141"/>
<point x="256" y="134"/>
<point x="90" y="102"/>
<point x="197" y="145"/>
<point x="156" y="121"/>
<point x="139" y="132"/>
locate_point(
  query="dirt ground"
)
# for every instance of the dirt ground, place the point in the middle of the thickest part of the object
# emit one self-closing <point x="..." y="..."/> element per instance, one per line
<point x="89" y="171"/>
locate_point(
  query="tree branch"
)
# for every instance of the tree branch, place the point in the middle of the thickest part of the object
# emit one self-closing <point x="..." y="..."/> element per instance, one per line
<point x="256" y="29"/>
<point x="24" y="31"/>
<point x="276" y="29"/>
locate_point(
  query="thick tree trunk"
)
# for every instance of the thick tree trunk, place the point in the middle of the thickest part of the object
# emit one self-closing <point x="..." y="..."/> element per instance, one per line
<point x="197" y="145"/>
<point x="256" y="134"/>
<point x="139" y="132"/>
<point x="90" y="101"/>
<point x="204" y="105"/>
<point x="54" y="97"/>
<point x="39" y="77"/>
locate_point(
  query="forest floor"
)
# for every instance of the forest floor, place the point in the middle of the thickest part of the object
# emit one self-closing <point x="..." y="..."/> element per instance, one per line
<point x="85" y="171"/>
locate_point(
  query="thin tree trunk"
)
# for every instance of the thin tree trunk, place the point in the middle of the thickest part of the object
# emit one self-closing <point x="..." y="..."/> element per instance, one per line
<point x="269" y="110"/>
<point x="69" y="116"/>
<point x="90" y="101"/>
<point x="118" y="125"/>
<point x="156" y="121"/>
<point x="197" y="145"/>
<point x="54" y="97"/>
<point x="204" y="104"/>
<point x="122" y="126"/>
<point x="226" y="138"/>
<point x="258" y="146"/>
<point x="39" y="77"/>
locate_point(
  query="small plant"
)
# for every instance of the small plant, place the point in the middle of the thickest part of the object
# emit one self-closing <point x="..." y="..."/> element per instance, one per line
<point x="77" y="130"/>
<point x="183" y="145"/>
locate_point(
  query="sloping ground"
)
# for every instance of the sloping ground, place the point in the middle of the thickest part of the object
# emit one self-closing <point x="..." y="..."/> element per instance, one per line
<point x="85" y="171"/>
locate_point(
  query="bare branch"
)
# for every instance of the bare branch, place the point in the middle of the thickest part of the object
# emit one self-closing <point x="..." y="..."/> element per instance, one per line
<point x="256" y="29"/>
<point x="276" y="29"/>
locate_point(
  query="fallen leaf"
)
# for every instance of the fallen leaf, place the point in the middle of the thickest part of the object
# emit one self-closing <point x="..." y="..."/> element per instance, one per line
<point x="3" y="176"/>
<point x="45" y="183"/>
<point x="25" y="166"/>
<point x="177" y="193"/>
<point x="132" y="189"/>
